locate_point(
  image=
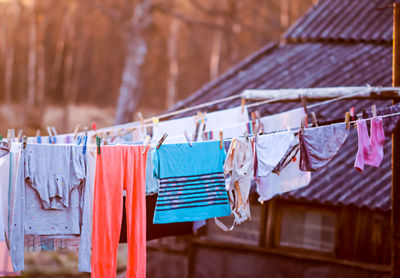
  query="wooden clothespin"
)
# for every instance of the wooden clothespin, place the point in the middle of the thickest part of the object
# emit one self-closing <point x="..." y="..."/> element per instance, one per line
<point x="24" y="141"/>
<point x="76" y="130"/>
<point x="352" y="113"/>
<point x="303" y="102"/>
<point x="221" y="139"/>
<point x="20" y="133"/>
<point x="243" y="104"/>
<point x="162" y="139"/>
<point x="140" y="116"/>
<point x="98" y="143"/>
<point x="347" y="120"/>
<point x="187" y="138"/>
<point x="306" y="121"/>
<point x="314" y="119"/>
<point x="373" y="108"/>
<point x="146" y="144"/>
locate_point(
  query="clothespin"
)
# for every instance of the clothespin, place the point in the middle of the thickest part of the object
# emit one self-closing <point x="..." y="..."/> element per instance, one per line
<point x="314" y="119"/>
<point x="246" y="136"/>
<point x="9" y="138"/>
<point x="50" y="134"/>
<point x="162" y="139"/>
<point x="53" y="129"/>
<point x="303" y="102"/>
<point x="155" y="121"/>
<point x="302" y="123"/>
<point x="146" y="143"/>
<point x="187" y="138"/>
<point x="306" y="121"/>
<point x="94" y="126"/>
<point x="373" y="108"/>
<point x="76" y="131"/>
<point x="140" y="116"/>
<point x="352" y="113"/>
<point x="98" y="142"/>
<point x="24" y="140"/>
<point x="243" y="104"/>
<point x="196" y="131"/>
<point x="20" y="132"/>
<point x="38" y="137"/>
<point x="347" y="120"/>
<point x="221" y="139"/>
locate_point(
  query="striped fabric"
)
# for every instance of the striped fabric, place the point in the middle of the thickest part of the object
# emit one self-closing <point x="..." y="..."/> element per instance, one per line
<point x="191" y="198"/>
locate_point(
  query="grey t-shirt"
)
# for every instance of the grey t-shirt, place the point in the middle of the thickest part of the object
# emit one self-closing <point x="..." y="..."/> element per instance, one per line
<point x="52" y="197"/>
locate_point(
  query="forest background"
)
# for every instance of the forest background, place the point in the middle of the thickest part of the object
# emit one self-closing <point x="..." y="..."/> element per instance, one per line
<point x="64" y="62"/>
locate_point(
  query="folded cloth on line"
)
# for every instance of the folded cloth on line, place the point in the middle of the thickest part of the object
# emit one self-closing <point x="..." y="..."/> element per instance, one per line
<point x="318" y="145"/>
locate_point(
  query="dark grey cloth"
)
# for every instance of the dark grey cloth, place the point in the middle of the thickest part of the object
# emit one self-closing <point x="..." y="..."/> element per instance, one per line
<point x="319" y="145"/>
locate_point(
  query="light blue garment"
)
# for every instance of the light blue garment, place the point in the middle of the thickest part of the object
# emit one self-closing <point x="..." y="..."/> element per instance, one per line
<point x="151" y="183"/>
<point x="192" y="184"/>
<point x="52" y="197"/>
<point x="178" y="160"/>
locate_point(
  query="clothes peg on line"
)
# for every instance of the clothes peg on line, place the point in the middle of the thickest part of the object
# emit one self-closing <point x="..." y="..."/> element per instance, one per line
<point x="38" y="137"/>
<point x="314" y="119"/>
<point x="352" y="113"/>
<point x="24" y="140"/>
<point x="53" y="129"/>
<point x="221" y="139"/>
<point x="303" y="102"/>
<point x="162" y="139"/>
<point x="347" y="120"/>
<point x="146" y="143"/>
<point x="243" y="104"/>
<point x="373" y="108"/>
<point x="187" y="138"/>
<point x="76" y="131"/>
<point x="94" y="126"/>
<point x="20" y="132"/>
<point x="140" y="116"/>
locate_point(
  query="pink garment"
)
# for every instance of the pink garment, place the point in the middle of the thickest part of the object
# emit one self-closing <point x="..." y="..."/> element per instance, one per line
<point x="370" y="149"/>
<point x="119" y="168"/>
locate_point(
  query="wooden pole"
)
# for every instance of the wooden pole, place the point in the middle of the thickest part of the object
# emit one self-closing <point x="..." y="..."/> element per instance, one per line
<point x="395" y="217"/>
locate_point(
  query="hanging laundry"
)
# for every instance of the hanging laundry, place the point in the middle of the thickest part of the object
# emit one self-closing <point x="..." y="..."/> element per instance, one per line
<point x="389" y="123"/>
<point x="370" y="149"/>
<point x="289" y="178"/>
<point x="231" y="121"/>
<point x="239" y="168"/>
<point x="51" y="198"/>
<point x="119" y="168"/>
<point x="152" y="183"/>
<point x="192" y="185"/>
<point x="283" y="120"/>
<point x="270" y="149"/>
<point x="154" y="231"/>
<point x="318" y="145"/>
<point x="4" y="188"/>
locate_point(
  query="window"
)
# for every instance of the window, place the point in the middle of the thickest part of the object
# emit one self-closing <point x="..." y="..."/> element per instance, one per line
<point x="307" y="229"/>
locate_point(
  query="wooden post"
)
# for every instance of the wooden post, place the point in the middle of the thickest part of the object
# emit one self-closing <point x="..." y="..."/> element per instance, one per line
<point x="395" y="217"/>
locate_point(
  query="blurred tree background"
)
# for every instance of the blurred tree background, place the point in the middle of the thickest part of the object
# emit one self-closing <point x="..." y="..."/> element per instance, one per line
<point x="69" y="61"/>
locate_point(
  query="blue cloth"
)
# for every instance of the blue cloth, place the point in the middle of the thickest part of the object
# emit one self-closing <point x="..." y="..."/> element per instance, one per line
<point x="192" y="184"/>
<point x="151" y="182"/>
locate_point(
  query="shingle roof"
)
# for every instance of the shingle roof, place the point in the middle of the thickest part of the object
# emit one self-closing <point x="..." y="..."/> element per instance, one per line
<point x="350" y="20"/>
<point x="335" y="44"/>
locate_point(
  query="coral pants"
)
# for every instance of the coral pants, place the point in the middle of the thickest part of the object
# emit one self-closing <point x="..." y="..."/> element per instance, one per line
<point x="118" y="168"/>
